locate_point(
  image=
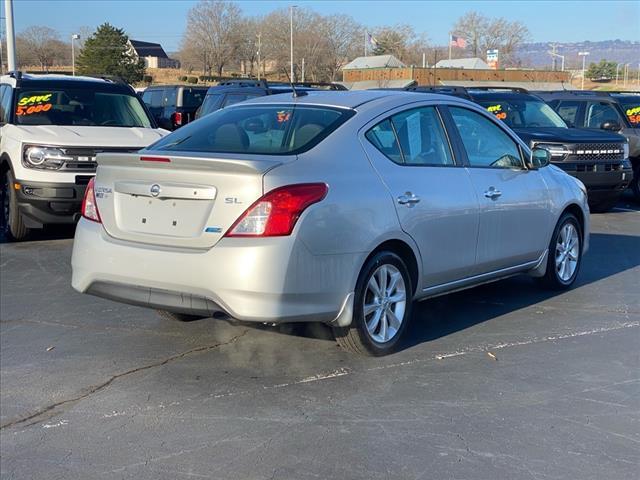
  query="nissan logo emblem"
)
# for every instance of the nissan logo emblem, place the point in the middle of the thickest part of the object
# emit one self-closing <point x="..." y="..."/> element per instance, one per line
<point x="155" y="190"/>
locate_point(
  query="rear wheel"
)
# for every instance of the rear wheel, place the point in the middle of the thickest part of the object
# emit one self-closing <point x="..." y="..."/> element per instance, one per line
<point x="12" y="223"/>
<point x="382" y="307"/>
<point x="177" y="317"/>
<point x="565" y="254"/>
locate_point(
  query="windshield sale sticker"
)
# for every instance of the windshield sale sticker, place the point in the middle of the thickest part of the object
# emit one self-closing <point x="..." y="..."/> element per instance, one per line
<point x="497" y="111"/>
<point x="633" y="114"/>
<point x="34" y="104"/>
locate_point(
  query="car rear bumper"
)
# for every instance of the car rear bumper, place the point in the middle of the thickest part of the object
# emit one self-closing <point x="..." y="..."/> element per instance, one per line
<point x="262" y="280"/>
<point x="45" y="203"/>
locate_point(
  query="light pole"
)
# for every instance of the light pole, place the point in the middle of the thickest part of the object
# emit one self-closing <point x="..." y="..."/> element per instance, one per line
<point x="584" y="60"/>
<point x="259" y="35"/>
<point x="11" y="37"/>
<point x="617" y="69"/>
<point x="291" y="38"/>
<point x="74" y="37"/>
<point x="625" y="74"/>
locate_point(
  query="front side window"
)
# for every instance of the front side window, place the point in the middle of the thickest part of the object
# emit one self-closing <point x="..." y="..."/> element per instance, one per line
<point x="524" y="113"/>
<point x="5" y="103"/>
<point x="80" y="107"/>
<point x="599" y="113"/>
<point x="257" y="129"/>
<point x="413" y="137"/>
<point x="486" y="144"/>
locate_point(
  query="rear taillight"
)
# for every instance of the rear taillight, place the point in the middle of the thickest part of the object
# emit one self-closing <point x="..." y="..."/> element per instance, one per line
<point x="177" y="118"/>
<point x="276" y="213"/>
<point x="89" y="206"/>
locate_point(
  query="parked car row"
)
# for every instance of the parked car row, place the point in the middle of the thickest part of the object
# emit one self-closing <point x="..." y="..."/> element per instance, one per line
<point x="308" y="205"/>
<point x="51" y="129"/>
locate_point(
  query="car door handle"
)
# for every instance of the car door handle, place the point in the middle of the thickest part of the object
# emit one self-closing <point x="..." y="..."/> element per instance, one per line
<point x="408" y="199"/>
<point x="492" y="193"/>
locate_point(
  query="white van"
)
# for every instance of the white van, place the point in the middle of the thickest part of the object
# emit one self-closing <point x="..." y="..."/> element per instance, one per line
<point x="51" y="128"/>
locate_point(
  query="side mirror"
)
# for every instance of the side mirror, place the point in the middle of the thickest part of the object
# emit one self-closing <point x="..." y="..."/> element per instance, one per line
<point x="540" y="157"/>
<point x="610" y="125"/>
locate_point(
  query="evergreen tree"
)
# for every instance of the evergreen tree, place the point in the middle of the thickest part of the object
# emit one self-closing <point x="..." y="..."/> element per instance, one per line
<point x="107" y="52"/>
<point x="604" y="69"/>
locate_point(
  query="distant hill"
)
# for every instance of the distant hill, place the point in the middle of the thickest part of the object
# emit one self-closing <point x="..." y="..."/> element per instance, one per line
<point x="621" y="51"/>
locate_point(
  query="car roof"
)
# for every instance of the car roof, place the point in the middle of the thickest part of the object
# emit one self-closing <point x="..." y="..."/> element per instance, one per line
<point x="341" y="99"/>
<point x="47" y="77"/>
<point x="200" y="87"/>
<point x="503" y="96"/>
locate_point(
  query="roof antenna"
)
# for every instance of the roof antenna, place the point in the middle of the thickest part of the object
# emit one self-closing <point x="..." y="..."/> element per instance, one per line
<point x="296" y="94"/>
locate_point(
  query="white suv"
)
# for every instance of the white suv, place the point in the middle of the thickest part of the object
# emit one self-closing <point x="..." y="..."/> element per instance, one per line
<point x="51" y="128"/>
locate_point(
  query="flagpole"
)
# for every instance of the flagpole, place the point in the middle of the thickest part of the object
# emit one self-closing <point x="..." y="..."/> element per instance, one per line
<point x="450" y="40"/>
<point x="365" y="43"/>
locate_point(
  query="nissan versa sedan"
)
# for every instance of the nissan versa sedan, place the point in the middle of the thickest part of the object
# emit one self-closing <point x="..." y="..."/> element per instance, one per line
<point x="335" y="207"/>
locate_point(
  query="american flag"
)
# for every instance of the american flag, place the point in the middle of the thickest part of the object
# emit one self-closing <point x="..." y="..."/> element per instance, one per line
<point x="458" y="42"/>
<point x="372" y="40"/>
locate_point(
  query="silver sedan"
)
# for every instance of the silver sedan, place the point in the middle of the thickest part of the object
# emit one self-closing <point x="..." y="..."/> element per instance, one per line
<point x="335" y="207"/>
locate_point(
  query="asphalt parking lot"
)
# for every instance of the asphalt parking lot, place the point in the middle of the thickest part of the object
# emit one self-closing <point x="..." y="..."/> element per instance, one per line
<point x="503" y="381"/>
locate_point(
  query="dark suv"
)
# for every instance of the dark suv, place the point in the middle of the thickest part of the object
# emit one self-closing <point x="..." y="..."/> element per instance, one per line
<point x="173" y="106"/>
<point x="613" y="111"/>
<point x="235" y="91"/>
<point x="599" y="159"/>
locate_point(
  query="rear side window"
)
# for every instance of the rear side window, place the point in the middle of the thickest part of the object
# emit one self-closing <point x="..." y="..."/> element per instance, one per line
<point x="170" y="95"/>
<point x="234" y="98"/>
<point x="258" y="129"/>
<point x="156" y="98"/>
<point x="486" y="144"/>
<point x="193" y="98"/>
<point x="568" y="111"/>
<point x="384" y="139"/>
<point x="413" y="137"/>
<point x="210" y="104"/>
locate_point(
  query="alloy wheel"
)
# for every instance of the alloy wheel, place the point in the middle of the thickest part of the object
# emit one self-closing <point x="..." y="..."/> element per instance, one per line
<point x="384" y="305"/>
<point x="567" y="252"/>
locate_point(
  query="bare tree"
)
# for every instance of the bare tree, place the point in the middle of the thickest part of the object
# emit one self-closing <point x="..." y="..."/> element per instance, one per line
<point x="212" y="30"/>
<point x="42" y="46"/>
<point x="482" y="33"/>
<point x="343" y="40"/>
<point x="473" y="27"/>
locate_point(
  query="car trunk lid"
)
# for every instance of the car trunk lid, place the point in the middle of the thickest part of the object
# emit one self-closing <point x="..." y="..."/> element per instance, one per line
<point x="177" y="200"/>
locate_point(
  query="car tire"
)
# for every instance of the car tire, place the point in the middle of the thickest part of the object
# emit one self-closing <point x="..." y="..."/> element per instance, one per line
<point x="177" y="317"/>
<point x="565" y="254"/>
<point x="635" y="185"/>
<point x="12" y="224"/>
<point x="605" y="204"/>
<point x="379" y="319"/>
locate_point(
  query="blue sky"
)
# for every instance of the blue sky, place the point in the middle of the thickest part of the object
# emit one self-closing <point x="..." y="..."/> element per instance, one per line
<point x="164" y="21"/>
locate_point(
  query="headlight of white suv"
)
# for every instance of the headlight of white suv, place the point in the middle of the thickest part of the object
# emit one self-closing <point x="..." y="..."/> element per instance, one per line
<point x="49" y="158"/>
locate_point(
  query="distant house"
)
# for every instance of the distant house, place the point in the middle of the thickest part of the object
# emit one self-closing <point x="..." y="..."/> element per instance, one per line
<point x="465" y="63"/>
<point x="153" y="54"/>
<point x="374" y="61"/>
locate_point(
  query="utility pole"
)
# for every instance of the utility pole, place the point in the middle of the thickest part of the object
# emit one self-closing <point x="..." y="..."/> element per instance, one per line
<point x="259" y="35"/>
<point x="11" y="36"/>
<point x="74" y="37"/>
<point x="291" y="38"/>
<point x="617" y="69"/>
<point x="302" y="69"/>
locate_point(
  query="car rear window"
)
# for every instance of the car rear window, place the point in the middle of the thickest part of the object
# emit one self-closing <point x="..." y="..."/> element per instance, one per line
<point x="258" y="129"/>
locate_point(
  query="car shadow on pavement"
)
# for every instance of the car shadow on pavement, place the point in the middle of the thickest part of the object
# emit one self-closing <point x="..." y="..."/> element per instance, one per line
<point x="437" y="317"/>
